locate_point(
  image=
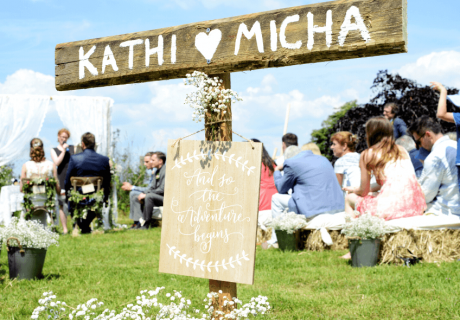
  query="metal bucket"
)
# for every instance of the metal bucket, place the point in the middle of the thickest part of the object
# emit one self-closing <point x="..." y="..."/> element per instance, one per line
<point x="39" y="199"/>
<point x="25" y="263"/>
<point x="286" y="241"/>
<point x="364" y="253"/>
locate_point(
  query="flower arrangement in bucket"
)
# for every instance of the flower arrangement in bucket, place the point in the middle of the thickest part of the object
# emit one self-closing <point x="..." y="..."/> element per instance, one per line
<point x="285" y="226"/>
<point x="363" y="235"/>
<point x="151" y="304"/>
<point x="26" y="242"/>
<point x="209" y="98"/>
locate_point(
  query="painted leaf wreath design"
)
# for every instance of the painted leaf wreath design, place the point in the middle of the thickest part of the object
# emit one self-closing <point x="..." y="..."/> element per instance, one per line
<point x="189" y="261"/>
<point x="218" y="156"/>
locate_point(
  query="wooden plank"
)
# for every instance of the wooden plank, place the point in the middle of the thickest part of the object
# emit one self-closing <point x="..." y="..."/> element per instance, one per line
<point x="210" y="210"/>
<point x="115" y="60"/>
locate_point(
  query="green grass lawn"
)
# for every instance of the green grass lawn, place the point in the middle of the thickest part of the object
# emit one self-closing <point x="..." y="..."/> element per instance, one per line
<point x="115" y="266"/>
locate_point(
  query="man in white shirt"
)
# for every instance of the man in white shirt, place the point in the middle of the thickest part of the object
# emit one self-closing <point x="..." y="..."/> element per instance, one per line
<point x="439" y="179"/>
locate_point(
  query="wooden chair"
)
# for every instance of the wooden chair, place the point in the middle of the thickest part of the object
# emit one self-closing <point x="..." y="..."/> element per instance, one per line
<point x="81" y="181"/>
<point x="38" y="199"/>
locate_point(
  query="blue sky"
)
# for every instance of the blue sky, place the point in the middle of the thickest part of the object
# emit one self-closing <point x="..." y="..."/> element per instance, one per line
<point x="150" y="113"/>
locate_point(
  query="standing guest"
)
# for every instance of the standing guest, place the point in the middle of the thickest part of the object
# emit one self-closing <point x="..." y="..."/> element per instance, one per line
<point x="267" y="182"/>
<point x="88" y="164"/>
<point x="408" y="143"/>
<point x="313" y="147"/>
<point x="61" y="157"/>
<point x="38" y="167"/>
<point x="439" y="179"/>
<point x="135" y="209"/>
<point x="289" y="139"/>
<point x="346" y="168"/>
<point x="400" y="194"/>
<point x="154" y="195"/>
<point x="453" y="117"/>
<point x="390" y="111"/>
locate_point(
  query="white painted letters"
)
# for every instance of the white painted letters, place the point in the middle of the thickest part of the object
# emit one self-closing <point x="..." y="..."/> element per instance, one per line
<point x="158" y="50"/>
<point x="109" y="59"/>
<point x="273" y="36"/>
<point x="173" y="49"/>
<point x="131" y="44"/>
<point x="315" y="29"/>
<point x="84" y="62"/>
<point x="256" y="30"/>
<point x="348" y="26"/>
<point x="283" y="41"/>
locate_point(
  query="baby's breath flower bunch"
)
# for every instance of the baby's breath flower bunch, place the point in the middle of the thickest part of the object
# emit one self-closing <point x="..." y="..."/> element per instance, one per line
<point x="366" y="226"/>
<point x="150" y="304"/>
<point x="209" y="97"/>
<point x="31" y="234"/>
<point x="289" y="222"/>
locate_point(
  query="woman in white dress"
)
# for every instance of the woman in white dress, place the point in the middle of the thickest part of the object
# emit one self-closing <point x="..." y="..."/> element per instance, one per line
<point x="38" y="167"/>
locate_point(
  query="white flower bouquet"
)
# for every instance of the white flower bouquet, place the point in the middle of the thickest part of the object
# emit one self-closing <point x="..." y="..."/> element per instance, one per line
<point x="366" y="226"/>
<point x="30" y="233"/>
<point x="153" y="304"/>
<point x="209" y="97"/>
<point x="289" y="222"/>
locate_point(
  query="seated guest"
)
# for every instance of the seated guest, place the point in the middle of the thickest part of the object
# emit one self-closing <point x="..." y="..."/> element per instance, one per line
<point x="390" y="111"/>
<point x="453" y="117"/>
<point x="135" y="210"/>
<point x="289" y="139"/>
<point x="153" y="196"/>
<point x="346" y="168"/>
<point x="400" y="194"/>
<point x="408" y="143"/>
<point x="267" y="182"/>
<point x="315" y="189"/>
<point x="88" y="164"/>
<point x="312" y="147"/>
<point x="439" y="179"/>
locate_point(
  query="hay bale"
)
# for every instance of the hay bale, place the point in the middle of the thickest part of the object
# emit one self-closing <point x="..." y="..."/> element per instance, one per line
<point x="263" y="235"/>
<point x="314" y="241"/>
<point x="428" y="245"/>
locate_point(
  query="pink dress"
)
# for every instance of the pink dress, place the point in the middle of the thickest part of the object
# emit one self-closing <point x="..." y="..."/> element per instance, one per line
<point x="401" y="195"/>
<point x="267" y="189"/>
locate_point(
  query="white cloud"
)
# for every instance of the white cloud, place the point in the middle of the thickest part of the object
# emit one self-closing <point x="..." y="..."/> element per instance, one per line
<point x="161" y="137"/>
<point x="437" y="66"/>
<point x="28" y="82"/>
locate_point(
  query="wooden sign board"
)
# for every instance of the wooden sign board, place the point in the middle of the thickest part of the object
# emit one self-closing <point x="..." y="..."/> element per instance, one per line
<point x="210" y="210"/>
<point x="335" y="30"/>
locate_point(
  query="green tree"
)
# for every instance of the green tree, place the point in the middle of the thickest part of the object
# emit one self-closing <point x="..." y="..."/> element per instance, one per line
<point x="321" y="136"/>
<point x="6" y="174"/>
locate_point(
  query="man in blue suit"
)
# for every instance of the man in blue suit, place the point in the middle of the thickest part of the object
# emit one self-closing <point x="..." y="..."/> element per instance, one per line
<point x="390" y="111"/>
<point x="315" y="189"/>
<point x="88" y="164"/>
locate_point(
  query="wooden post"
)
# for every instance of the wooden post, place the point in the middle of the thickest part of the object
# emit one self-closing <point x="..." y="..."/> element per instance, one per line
<point x="224" y="133"/>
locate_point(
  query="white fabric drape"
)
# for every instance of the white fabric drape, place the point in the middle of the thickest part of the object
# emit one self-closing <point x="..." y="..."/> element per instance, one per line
<point x="87" y="114"/>
<point x="21" y="118"/>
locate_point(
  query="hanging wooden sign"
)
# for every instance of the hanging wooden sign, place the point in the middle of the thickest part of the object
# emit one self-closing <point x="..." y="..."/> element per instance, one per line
<point x="210" y="210"/>
<point x="328" y="31"/>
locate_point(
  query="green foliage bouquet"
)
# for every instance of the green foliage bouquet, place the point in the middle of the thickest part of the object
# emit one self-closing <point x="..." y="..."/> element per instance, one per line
<point x="366" y="226"/>
<point x="50" y="203"/>
<point x="82" y="203"/>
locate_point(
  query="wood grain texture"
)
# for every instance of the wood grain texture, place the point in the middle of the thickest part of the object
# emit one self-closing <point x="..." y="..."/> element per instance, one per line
<point x="385" y="20"/>
<point x="232" y="210"/>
